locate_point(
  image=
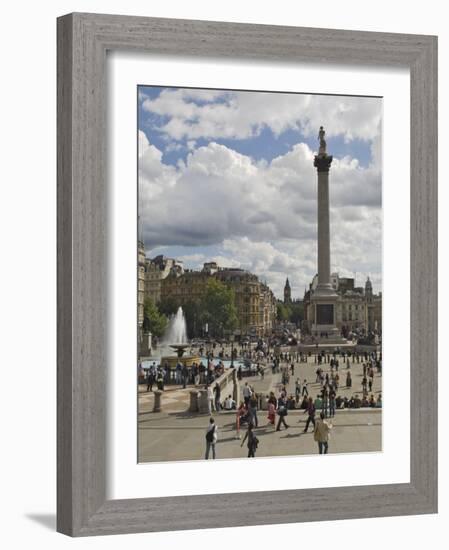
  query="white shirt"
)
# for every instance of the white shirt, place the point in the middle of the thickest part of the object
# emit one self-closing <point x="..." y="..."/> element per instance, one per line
<point x="229" y="402"/>
<point x="211" y="427"/>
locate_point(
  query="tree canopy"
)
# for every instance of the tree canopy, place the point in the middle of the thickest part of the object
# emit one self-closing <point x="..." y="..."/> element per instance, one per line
<point x="218" y="308"/>
<point x="153" y="320"/>
<point x="293" y="312"/>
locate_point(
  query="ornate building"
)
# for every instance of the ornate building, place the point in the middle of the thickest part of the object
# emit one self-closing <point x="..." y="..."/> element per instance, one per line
<point x="254" y="301"/>
<point x="156" y="270"/>
<point x="184" y="287"/>
<point x="287" y="293"/>
<point x="357" y="308"/>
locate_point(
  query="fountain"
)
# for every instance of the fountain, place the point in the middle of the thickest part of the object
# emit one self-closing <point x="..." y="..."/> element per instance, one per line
<point x="175" y="338"/>
<point x="176" y="332"/>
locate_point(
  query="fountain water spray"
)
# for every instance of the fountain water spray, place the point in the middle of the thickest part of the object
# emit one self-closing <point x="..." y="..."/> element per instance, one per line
<point x="176" y="332"/>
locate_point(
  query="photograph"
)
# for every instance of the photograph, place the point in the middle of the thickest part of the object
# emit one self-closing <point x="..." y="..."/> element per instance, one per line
<point x="259" y="273"/>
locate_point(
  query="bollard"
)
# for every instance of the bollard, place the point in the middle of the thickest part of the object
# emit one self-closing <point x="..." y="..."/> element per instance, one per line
<point x="157" y="401"/>
<point x="193" y="401"/>
<point x="203" y="402"/>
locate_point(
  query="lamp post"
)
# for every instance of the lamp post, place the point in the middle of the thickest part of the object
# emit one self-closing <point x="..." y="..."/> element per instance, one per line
<point x="231" y="337"/>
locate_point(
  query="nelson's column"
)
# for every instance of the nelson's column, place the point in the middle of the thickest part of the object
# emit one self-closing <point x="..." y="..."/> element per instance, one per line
<point x="324" y="297"/>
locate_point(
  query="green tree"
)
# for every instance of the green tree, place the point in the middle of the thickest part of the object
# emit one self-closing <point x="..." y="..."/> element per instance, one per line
<point x="192" y="313"/>
<point x="283" y="312"/>
<point x="168" y="306"/>
<point x="297" y="313"/>
<point x="218" y="308"/>
<point x="153" y="320"/>
<point x="293" y="312"/>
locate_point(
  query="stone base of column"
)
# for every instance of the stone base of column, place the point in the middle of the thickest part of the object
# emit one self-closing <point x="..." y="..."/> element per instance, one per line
<point x="324" y="329"/>
<point x="324" y="291"/>
<point x="328" y="334"/>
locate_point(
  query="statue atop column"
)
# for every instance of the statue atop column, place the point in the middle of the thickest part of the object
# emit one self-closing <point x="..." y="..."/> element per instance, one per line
<point x="322" y="161"/>
<point x="322" y="149"/>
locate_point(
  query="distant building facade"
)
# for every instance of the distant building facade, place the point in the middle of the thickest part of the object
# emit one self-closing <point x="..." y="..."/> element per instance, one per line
<point x="140" y="282"/>
<point x="357" y="308"/>
<point x="254" y="301"/>
<point x="156" y="270"/>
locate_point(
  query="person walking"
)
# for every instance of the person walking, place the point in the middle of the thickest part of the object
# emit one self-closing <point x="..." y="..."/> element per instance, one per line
<point x="282" y="413"/>
<point x="253" y="441"/>
<point x="184" y="376"/>
<point x="211" y="438"/>
<point x="271" y="415"/>
<point x="348" y="379"/>
<point x="246" y="393"/>
<point x="160" y="380"/>
<point x="311" y="414"/>
<point x="325" y="399"/>
<point x="252" y="409"/>
<point x="332" y="398"/>
<point x="150" y="379"/>
<point x="178" y="373"/>
<point x="321" y="434"/>
<point x="364" y="383"/>
<point x="305" y="391"/>
<point x="297" y="389"/>
<point x="217" y="393"/>
<point x="210" y="398"/>
<point x="240" y="415"/>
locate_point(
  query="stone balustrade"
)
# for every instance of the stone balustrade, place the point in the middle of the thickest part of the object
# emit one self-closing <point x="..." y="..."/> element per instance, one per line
<point x="228" y="385"/>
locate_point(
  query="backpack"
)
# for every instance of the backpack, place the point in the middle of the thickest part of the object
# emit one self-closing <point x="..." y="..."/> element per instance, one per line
<point x="210" y="435"/>
<point x="253" y="442"/>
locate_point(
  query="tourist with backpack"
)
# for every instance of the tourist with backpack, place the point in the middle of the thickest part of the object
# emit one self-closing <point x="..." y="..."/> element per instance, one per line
<point x="211" y="438"/>
<point x="282" y="413"/>
<point x="311" y="414"/>
<point x="253" y="441"/>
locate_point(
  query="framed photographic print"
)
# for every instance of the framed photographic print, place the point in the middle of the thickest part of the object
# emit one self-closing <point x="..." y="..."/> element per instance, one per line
<point x="222" y="330"/>
<point x="246" y="274"/>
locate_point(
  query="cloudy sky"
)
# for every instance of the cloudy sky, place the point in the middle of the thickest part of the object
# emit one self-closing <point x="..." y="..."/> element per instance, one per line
<point x="228" y="176"/>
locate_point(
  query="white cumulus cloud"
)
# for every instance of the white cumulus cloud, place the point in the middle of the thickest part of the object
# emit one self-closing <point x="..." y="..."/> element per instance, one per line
<point x="193" y="114"/>
<point x="261" y="215"/>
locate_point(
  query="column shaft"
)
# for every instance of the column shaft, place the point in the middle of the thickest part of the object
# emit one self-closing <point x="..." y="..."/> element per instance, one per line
<point x="324" y="274"/>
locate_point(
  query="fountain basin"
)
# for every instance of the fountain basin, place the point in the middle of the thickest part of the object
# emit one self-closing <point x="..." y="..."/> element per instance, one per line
<point x="173" y="360"/>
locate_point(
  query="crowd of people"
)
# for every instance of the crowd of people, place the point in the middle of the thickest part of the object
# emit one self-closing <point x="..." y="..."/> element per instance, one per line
<point x="332" y="374"/>
<point x="319" y="409"/>
<point x="181" y="374"/>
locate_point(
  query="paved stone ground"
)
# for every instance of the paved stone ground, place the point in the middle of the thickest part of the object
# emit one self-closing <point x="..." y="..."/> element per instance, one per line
<point x="179" y="436"/>
<point x="175" y="434"/>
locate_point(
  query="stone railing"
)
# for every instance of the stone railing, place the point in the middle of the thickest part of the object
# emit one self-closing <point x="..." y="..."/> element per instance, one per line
<point x="228" y="385"/>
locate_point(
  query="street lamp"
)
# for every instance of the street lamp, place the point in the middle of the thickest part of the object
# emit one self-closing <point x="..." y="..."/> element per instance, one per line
<point x="231" y="337"/>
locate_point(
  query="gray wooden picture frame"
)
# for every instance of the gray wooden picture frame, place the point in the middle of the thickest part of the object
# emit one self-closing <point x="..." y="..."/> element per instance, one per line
<point x="83" y="40"/>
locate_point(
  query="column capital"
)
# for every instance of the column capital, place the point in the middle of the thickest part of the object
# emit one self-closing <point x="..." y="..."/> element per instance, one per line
<point x="322" y="162"/>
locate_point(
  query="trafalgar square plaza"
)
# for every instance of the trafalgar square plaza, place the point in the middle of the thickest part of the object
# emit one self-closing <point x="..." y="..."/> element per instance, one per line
<point x="230" y="363"/>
